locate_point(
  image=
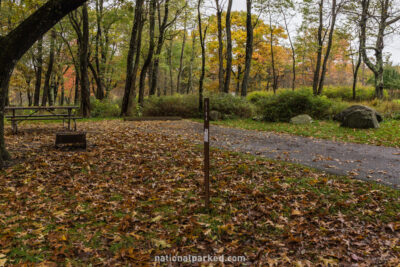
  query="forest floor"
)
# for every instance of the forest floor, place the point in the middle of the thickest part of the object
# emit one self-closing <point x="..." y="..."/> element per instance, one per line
<point x="136" y="193"/>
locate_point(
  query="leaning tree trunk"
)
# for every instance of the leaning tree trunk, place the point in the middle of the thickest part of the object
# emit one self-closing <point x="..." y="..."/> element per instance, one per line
<point x="335" y="10"/>
<point x="15" y="44"/>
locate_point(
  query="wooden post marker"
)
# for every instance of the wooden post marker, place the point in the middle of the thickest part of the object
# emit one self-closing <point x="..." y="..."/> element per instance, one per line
<point x="207" y="153"/>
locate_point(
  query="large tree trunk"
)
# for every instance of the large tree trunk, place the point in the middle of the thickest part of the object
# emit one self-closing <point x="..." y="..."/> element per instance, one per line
<point x="84" y="50"/>
<point x="149" y="58"/>
<point x="178" y="83"/>
<point x="38" y="72"/>
<point x="99" y="77"/>
<point x="132" y="96"/>
<point x="133" y="46"/>
<point x="15" y="44"/>
<point x="220" y="48"/>
<point x="228" y="70"/>
<point x="46" y="90"/>
<point x="383" y="23"/>
<point x="319" y="50"/>
<point x="249" y="49"/>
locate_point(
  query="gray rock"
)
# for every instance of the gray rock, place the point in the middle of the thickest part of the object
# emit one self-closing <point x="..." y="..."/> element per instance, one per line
<point x="360" y="117"/>
<point x="301" y="119"/>
<point x="357" y="108"/>
<point x="215" y="115"/>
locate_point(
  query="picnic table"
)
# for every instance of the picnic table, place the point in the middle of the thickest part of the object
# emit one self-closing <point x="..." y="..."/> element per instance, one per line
<point x="66" y="115"/>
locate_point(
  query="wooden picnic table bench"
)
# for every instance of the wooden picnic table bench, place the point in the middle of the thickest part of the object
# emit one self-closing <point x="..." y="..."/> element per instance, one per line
<point x="15" y="118"/>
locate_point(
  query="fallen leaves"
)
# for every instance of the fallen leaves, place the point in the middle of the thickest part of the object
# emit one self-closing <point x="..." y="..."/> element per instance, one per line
<point x="138" y="193"/>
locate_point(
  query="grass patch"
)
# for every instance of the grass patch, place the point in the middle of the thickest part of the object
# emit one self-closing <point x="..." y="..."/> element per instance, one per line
<point x="387" y="135"/>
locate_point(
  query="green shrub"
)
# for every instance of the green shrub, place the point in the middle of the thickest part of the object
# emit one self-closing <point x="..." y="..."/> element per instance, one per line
<point x="258" y="96"/>
<point x="287" y="104"/>
<point x="104" y="108"/>
<point x="186" y="106"/>
<point x="231" y="106"/>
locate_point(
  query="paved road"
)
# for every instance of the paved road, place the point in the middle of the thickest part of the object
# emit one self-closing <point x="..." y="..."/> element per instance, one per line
<point x="366" y="162"/>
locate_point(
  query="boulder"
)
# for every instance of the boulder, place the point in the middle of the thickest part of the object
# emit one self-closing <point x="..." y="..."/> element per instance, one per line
<point x="301" y="119"/>
<point x="215" y="115"/>
<point x="357" y="108"/>
<point x="360" y="117"/>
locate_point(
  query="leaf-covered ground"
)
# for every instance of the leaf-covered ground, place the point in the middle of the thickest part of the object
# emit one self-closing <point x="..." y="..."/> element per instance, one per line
<point x="136" y="193"/>
<point x="387" y="135"/>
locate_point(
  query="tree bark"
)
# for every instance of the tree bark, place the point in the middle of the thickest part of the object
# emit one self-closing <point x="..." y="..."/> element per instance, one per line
<point x="355" y="74"/>
<point x="46" y="90"/>
<point x="133" y="47"/>
<point x="335" y="10"/>
<point x="319" y="50"/>
<point x="202" y="36"/>
<point x="38" y="72"/>
<point x="220" y="48"/>
<point x="178" y="83"/>
<point x="84" y="50"/>
<point x="171" y="79"/>
<point x="228" y="70"/>
<point x="149" y="58"/>
<point x="249" y="49"/>
<point x="192" y="56"/>
<point x="99" y="80"/>
<point x="160" y="44"/>
<point x="274" y="75"/>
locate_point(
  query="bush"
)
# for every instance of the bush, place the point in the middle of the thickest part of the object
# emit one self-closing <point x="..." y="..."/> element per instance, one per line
<point x="103" y="108"/>
<point x="287" y="104"/>
<point x="186" y="106"/>
<point x="231" y="106"/>
<point x="259" y="96"/>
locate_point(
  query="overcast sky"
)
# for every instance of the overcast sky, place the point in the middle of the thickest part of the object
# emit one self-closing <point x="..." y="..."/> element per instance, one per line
<point x="392" y="44"/>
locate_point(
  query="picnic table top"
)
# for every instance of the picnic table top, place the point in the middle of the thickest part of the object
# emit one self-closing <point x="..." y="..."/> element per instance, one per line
<point x="41" y="107"/>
